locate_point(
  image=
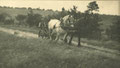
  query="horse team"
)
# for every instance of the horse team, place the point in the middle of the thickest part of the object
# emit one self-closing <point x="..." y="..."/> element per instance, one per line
<point x="62" y="28"/>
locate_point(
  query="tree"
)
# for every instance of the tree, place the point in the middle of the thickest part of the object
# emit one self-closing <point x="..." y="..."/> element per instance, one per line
<point x="91" y="21"/>
<point x="86" y="25"/>
<point x="92" y="6"/>
<point x="114" y="31"/>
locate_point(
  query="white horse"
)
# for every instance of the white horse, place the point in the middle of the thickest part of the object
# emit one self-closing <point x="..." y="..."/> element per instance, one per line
<point x="57" y="27"/>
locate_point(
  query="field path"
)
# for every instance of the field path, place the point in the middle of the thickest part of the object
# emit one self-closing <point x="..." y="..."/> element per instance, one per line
<point x="19" y="33"/>
<point x="100" y="50"/>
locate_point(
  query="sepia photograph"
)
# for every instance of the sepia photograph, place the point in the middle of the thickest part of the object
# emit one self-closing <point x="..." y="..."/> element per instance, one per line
<point x="59" y="34"/>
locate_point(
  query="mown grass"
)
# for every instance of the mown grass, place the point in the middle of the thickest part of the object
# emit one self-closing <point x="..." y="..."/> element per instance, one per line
<point x="16" y="52"/>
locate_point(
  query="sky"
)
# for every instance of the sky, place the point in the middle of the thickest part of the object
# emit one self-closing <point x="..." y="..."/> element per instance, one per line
<point x="105" y="7"/>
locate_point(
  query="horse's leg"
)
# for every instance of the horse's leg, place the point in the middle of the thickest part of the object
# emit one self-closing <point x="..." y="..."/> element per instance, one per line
<point x="50" y="34"/>
<point x="79" y="41"/>
<point x="65" y="37"/>
<point x="57" y="37"/>
<point x="71" y="39"/>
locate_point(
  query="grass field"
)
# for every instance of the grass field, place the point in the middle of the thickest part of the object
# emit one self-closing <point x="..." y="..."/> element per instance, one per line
<point x="106" y="44"/>
<point x="16" y="52"/>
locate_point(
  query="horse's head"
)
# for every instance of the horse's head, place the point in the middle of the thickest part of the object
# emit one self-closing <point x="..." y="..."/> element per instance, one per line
<point x="71" y="21"/>
<point x="67" y="21"/>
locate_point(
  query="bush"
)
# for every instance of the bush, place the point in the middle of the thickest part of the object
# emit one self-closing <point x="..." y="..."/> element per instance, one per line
<point x="33" y="19"/>
<point x="9" y="21"/>
<point x="3" y="16"/>
<point x="21" y="19"/>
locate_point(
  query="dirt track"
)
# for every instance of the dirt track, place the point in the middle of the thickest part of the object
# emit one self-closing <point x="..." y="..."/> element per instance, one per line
<point x="19" y="33"/>
<point x="104" y="51"/>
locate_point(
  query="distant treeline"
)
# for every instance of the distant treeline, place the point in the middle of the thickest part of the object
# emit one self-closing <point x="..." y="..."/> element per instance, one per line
<point x="25" y="8"/>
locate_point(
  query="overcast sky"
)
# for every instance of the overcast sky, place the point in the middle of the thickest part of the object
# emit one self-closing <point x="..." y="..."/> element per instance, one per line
<point x="106" y="7"/>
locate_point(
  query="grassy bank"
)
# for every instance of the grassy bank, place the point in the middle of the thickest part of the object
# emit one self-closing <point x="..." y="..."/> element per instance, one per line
<point x="16" y="52"/>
